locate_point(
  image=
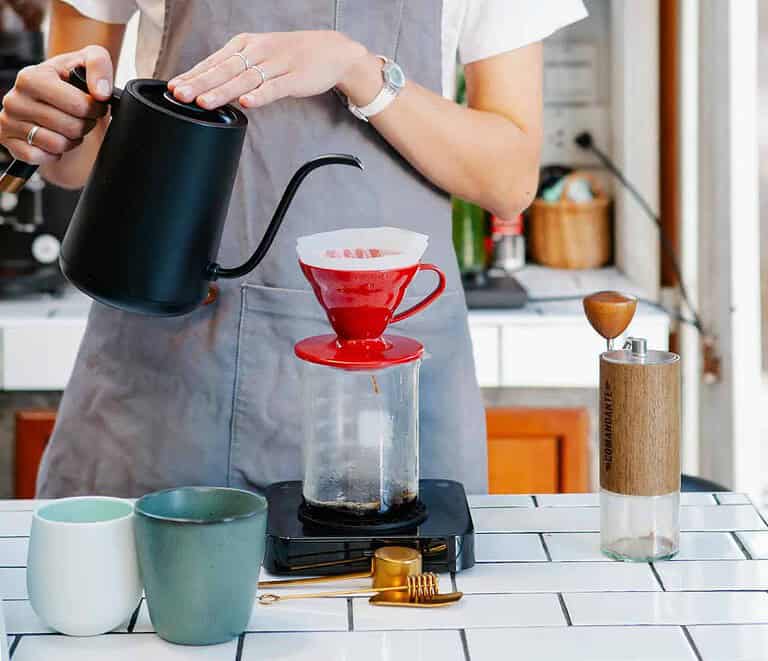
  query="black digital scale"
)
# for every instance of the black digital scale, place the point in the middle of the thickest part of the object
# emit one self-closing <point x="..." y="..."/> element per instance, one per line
<point x="294" y="547"/>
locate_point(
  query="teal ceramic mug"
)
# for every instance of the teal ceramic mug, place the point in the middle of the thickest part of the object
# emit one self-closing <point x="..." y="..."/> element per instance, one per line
<point x="200" y="550"/>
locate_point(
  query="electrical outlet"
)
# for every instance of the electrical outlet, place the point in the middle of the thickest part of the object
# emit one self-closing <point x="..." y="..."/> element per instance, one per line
<point x="561" y="126"/>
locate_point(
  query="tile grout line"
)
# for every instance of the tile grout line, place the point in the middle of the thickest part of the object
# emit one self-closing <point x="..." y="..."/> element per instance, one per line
<point x="546" y="548"/>
<point x="564" y="608"/>
<point x="465" y="644"/>
<point x="658" y="578"/>
<point x="689" y="638"/>
<point x="350" y="616"/>
<point x="240" y="644"/>
<point x="134" y="617"/>
<point x="741" y="546"/>
<point x="14" y="645"/>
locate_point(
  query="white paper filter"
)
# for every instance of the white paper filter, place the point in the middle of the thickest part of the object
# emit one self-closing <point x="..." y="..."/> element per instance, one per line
<point x="362" y="249"/>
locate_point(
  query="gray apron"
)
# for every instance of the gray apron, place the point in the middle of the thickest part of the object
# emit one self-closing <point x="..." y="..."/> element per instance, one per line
<point x="212" y="398"/>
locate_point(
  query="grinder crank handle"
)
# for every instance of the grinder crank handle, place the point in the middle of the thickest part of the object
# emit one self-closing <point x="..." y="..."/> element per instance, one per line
<point x="18" y="172"/>
<point x="609" y="313"/>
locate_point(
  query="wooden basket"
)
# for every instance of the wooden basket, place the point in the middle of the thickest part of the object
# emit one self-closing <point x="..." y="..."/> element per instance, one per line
<point x="571" y="235"/>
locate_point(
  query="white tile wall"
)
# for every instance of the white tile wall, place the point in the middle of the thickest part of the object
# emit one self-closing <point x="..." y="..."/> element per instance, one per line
<point x="732" y="517"/>
<point x="732" y="499"/>
<point x="298" y="615"/>
<point x="117" y="647"/>
<point x="593" y="499"/>
<point x="13" y="551"/>
<point x="507" y="547"/>
<point x="714" y="575"/>
<point x="20" y="618"/>
<point x="13" y="583"/>
<point x="640" y="608"/>
<point x="556" y="577"/>
<point x="472" y="612"/>
<point x="595" y="643"/>
<point x="585" y="546"/>
<point x="356" y="646"/>
<point x="756" y="543"/>
<point x="15" y="524"/>
<point x="741" y="642"/>
<point x="543" y="519"/>
<point x="493" y="500"/>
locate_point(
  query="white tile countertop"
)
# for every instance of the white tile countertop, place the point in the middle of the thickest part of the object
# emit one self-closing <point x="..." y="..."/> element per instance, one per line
<point x="540" y="345"/>
<point x="540" y="591"/>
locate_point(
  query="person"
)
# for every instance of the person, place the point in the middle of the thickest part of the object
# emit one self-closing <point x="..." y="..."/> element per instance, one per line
<point x="213" y="397"/>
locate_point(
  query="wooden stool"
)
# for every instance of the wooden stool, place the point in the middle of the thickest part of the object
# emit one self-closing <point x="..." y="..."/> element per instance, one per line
<point x="534" y="450"/>
<point x="33" y="429"/>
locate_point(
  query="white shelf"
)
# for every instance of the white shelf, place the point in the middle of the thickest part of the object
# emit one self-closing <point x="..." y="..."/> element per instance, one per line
<point x="541" y="345"/>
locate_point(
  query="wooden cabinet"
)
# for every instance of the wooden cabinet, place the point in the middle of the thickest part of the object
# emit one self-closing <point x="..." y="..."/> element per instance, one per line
<point x="538" y="450"/>
<point x="33" y="429"/>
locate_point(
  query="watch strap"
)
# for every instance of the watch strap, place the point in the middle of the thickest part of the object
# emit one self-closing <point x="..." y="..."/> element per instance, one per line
<point x="386" y="95"/>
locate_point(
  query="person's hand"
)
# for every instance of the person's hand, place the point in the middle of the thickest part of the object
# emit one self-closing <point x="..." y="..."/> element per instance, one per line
<point x="295" y="64"/>
<point x="42" y="97"/>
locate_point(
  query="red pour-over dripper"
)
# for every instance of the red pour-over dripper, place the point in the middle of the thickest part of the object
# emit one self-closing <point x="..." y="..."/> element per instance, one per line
<point x="360" y="303"/>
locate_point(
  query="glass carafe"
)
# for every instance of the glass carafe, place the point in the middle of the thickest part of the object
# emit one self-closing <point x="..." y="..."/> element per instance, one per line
<point x="361" y="437"/>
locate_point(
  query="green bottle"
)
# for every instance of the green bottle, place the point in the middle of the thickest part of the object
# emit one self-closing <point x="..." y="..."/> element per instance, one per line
<point x="469" y="236"/>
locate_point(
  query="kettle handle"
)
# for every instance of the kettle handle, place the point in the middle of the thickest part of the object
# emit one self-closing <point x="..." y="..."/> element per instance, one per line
<point x="18" y="172"/>
<point x="216" y="271"/>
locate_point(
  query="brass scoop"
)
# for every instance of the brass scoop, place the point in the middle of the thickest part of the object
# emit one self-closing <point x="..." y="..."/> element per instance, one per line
<point x="418" y="589"/>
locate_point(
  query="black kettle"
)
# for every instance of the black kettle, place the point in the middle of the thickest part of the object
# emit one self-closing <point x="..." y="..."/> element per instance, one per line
<point x="146" y="231"/>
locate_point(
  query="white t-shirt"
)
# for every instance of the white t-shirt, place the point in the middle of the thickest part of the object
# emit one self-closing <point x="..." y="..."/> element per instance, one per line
<point x="472" y="29"/>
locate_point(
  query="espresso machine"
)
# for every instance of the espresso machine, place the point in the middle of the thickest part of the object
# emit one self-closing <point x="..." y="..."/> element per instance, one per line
<point x="32" y="220"/>
<point x="360" y="413"/>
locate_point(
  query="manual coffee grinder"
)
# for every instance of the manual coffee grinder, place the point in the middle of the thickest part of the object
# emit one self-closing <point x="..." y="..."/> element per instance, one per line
<point x="360" y="414"/>
<point x="639" y="438"/>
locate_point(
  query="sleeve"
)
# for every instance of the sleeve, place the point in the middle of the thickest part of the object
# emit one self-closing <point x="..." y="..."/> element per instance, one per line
<point x="492" y="27"/>
<point x="107" y="11"/>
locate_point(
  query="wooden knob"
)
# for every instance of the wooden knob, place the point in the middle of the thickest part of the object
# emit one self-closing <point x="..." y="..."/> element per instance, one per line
<point x="610" y="312"/>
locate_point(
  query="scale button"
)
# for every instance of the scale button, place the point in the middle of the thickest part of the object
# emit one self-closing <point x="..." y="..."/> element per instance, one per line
<point x="45" y="248"/>
<point x="8" y="201"/>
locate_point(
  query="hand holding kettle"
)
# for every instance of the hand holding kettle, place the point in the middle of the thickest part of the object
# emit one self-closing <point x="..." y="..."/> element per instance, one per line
<point x="172" y="166"/>
<point x="43" y="116"/>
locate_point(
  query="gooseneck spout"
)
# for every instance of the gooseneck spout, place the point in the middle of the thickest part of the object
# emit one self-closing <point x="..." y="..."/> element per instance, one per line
<point x="216" y="271"/>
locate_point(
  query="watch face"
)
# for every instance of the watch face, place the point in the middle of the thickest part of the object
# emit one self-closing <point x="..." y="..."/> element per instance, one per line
<point x="395" y="75"/>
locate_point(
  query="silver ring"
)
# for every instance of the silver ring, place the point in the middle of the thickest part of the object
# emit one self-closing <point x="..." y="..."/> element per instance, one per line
<point x="261" y="73"/>
<point x="31" y="135"/>
<point x="243" y="57"/>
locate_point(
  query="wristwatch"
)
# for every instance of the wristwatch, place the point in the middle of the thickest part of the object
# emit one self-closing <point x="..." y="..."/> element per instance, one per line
<point x="394" y="81"/>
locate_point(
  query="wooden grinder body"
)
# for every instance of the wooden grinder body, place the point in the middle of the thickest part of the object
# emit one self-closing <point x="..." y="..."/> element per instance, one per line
<point x="640" y="423"/>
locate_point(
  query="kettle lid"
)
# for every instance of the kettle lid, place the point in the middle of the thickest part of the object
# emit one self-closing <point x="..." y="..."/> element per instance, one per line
<point x="156" y="94"/>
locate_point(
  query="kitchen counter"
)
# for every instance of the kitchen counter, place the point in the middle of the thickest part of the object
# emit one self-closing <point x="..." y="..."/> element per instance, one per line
<point x="541" y="345"/>
<point x="540" y="590"/>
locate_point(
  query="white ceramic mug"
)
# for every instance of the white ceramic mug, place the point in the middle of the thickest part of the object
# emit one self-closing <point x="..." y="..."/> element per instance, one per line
<point x="82" y="573"/>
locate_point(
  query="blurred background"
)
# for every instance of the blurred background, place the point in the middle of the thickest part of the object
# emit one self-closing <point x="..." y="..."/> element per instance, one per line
<point x="655" y="153"/>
